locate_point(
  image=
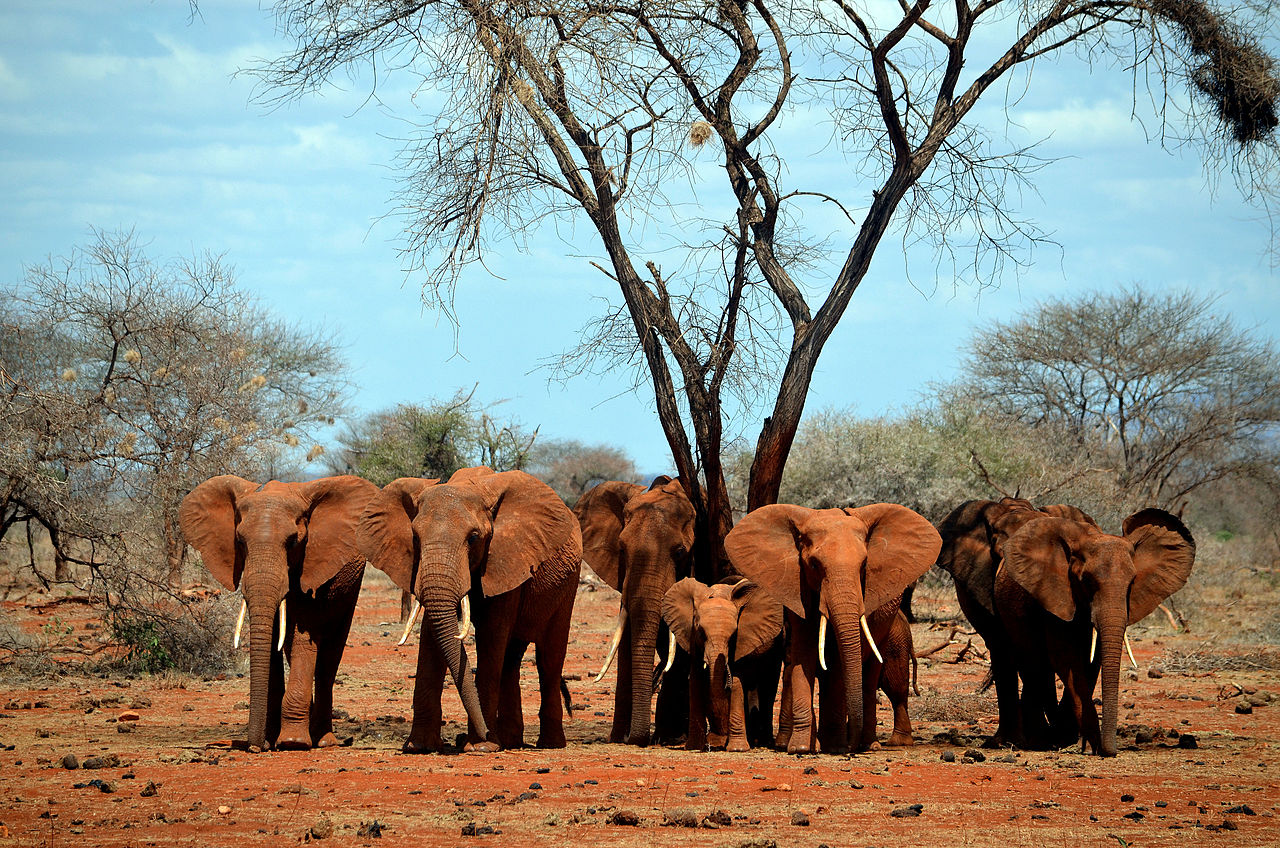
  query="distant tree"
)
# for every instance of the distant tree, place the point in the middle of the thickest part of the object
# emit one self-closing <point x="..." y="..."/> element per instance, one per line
<point x="435" y="440"/>
<point x="127" y="381"/>
<point x="572" y="467"/>
<point x="1157" y="388"/>
<point x="593" y="115"/>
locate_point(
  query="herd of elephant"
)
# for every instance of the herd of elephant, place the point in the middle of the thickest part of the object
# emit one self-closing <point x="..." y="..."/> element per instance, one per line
<point x="1049" y="592"/>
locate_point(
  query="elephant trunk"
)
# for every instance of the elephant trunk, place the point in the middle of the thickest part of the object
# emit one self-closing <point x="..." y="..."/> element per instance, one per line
<point x="1111" y="646"/>
<point x="440" y="610"/>
<point x="848" y="629"/>
<point x="263" y="597"/>
<point x="718" y="692"/>
<point x="644" y="625"/>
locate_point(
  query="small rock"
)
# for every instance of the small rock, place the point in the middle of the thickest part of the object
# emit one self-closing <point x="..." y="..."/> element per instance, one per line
<point x="1155" y="673"/>
<point x="535" y="785"/>
<point x="799" y="819"/>
<point x="188" y="708"/>
<point x="372" y="830"/>
<point x="1228" y="824"/>
<point x="149" y="790"/>
<point x="973" y="755"/>
<point x="810" y="770"/>
<point x="322" y="829"/>
<point x="70" y="762"/>
<point x="1244" y="708"/>
<point x="223" y="810"/>
<point x="1135" y="815"/>
<point x="1186" y="740"/>
<point x="625" y="818"/>
<point x="720" y="818"/>
<point x="1126" y="799"/>
<point x="948" y="756"/>
<point x="1143" y="736"/>
<point x="129" y="715"/>
<point x="124" y="728"/>
<point x="908" y="812"/>
<point x="1241" y="810"/>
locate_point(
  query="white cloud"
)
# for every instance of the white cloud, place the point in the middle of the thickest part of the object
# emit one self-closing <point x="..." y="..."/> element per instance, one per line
<point x="1104" y="123"/>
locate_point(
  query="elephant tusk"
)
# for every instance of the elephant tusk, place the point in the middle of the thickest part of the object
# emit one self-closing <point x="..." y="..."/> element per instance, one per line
<point x="866" y="631"/>
<point x="822" y="642"/>
<point x="280" y="641"/>
<point x="671" y="651"/>
<point x="464" y="622"/>
<point x="613" y="646"/>
<point x="1093" y="643"/>
<point x="413" y="619"/>
<point x="235" y="640"/>
<point x="1129" y="648"/>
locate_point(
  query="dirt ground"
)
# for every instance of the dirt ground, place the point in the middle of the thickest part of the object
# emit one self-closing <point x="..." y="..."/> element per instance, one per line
<point x="1198" y="761"/>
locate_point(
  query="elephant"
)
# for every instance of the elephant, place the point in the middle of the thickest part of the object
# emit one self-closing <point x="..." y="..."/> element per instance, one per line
<point x="849" y="566"/>
<point x="733" y="633"/>
<point x="497" y="548"/>
<point x="638" y="541"/>
<point x="1066" y="589"/>
<point x="973" y="536"/>
<point x="289" y="547"/>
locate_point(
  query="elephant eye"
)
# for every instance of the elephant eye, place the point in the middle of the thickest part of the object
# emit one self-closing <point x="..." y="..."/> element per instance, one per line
<point x="473" y="536"/>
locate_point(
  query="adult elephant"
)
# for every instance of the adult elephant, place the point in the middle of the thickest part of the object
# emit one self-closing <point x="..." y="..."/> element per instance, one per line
<point x="849" y="566"/>
<point x="733" y="633"/>
<point x="497" y="548"/>
<point x="638" y="540"/>
<point x="291" y="548"/>
<point x="973" y="537"/>
<point x="1066" y="591"/>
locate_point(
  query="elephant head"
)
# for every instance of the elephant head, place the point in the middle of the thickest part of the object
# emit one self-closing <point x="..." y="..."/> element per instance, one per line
<point x="638" y="541"/>
<point x="840" y="564"/>
<point x="721" y="625"/>
<point x="1077" y="572"/>
<point x="481" y="532"/>
<point x="268" y="540"/>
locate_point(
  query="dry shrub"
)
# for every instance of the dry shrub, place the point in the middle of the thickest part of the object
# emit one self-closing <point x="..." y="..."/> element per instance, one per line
<point x="1234" y="73"/>
<point x="950" y="707"/>
<point x="1209" y="656"/>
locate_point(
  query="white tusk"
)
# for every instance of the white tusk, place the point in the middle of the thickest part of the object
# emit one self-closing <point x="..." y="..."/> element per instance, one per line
<point x="866" y="631"/>
<point x="465" y="624"/>
<point x="1093" y="643"/>
<point x="1129" y="648"/>
<point x="671" y="651"/>
<point x="280" y="642"/>
<point x="244" y="608"/>
<point x="822" y="642"/>
<point x="413" y="619"/>
<point x="613" y="647"/>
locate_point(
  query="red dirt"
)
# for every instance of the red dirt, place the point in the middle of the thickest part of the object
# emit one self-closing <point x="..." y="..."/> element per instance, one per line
<point x="208" y="793"/>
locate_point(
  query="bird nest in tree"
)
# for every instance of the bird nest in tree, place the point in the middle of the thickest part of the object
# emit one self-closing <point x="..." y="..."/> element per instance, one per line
<point x="1233" y="72"/>
<point x="700" y="133"/>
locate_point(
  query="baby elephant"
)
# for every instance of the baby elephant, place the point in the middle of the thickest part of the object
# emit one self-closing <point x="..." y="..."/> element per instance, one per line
<point x="733" y="630"/>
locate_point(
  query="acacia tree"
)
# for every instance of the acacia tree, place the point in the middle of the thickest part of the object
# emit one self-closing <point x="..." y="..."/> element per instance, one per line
<point x="1159" y="390"/>
<point x="594" y="112"/>
<point x="127" y="381"/>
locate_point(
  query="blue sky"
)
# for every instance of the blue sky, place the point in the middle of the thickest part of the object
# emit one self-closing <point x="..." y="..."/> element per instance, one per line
<point x="131" y="115"/>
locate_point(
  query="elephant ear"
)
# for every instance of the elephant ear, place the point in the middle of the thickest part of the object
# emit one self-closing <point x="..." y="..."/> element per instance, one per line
<point x="678" y="606"/>
<point x="1074" y="513"/>
<point x="759" y="620"/>
<point x="901" y="546"/>
<point x="385" y="533"/>
<point x="660" y="481"/>
<point x="207" y="517"/>
<point x="1163" y="553"/>
<point x="532" y="528"/>
<point x="599" y="512"/>
<point x="765" y="546"/>
<point x="1038" y="557"/>
<point x="335" y="505"/>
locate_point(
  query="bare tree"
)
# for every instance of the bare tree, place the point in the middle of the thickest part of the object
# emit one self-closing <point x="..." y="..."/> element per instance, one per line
<point x="128" y="381"/>
<point x="1159" y="389"/>
<point x="595" y="112"/>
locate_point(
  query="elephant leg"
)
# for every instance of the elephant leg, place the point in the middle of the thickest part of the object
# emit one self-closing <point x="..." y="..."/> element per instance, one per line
<point x="295" y="709"/>
<point x="508" y="720"/>
<point x="833" y="711"/>
<point x="871" y="674"/>
<point x="622" y="690"/>
<point x="1004" y="673"/>
<point x="738" y="740"/>
<point x="895" y="681"/>
<point x="802" y="739"/>
<point x="1038" y="701"/>
<point x="328" y="659"/>
<point x="670" y="712"/>
<point x="275" y="695"/>
<point x="550" y="662"/>
<point x="428" y="688"/>
<point x="786" y="719"/>
<point x="760" y="690"/>
<point x="698" y="696"/>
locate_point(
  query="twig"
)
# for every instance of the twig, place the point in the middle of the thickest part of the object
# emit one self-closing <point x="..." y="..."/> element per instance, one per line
<point x="950" y="640"/>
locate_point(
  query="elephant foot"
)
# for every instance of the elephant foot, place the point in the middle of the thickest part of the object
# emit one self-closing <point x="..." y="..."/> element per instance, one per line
<point x="485" y="747"/>
<point x="328" y="741"/>
<point x="900" y="740"/>
<point x="737" y="745"/>
<point x="795" y="746"/>
<point x="640" y="739"/>
<point x="716" y="741"/>
<point x="423" y="743"/>
<point x="293" y="743"/>
<point x="551" y="739"/>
